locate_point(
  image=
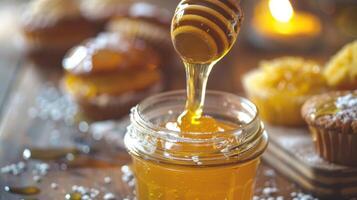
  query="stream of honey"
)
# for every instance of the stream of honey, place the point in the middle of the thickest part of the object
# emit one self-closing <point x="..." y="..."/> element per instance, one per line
<point x="203" y="32"/>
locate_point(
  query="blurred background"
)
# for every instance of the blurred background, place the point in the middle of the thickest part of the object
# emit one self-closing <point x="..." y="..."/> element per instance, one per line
<point x="52" y="49"/>
<point x="311" y="28"/>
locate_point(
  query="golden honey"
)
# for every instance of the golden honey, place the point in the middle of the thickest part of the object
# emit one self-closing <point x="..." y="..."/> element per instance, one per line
<point x="157" y="181"/>
<point x="169" y="181"/>
<point x="178" y="151"/>
<point x="217" y="160"/>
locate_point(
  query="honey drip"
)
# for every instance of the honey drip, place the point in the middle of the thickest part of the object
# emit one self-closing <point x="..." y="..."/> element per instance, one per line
<point x="78" y="160"/>
<point x="47" y="154"/>
<point x="74" y="196"/>
<point x="30" y="190"/>
<point x="203" y="32"/>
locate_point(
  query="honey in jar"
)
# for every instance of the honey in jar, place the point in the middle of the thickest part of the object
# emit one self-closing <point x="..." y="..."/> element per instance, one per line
<point x="169" y="164"/>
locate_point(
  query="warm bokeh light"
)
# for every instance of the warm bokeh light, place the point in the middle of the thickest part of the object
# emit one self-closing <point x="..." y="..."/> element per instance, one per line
<point x="277" y="18"/>
<point x="281" y="10"/>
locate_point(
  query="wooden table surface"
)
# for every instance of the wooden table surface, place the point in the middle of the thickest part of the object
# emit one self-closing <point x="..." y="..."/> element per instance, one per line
<point x="23" y="86"/>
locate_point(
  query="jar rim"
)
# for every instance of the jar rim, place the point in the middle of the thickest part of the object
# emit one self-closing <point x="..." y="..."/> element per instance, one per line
<point x="146" y="123"/>
<point x="243" y="143"/>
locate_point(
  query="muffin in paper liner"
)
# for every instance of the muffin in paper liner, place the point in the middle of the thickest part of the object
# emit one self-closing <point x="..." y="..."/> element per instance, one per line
<point x="332" y="120"/>
<point x="109" y="74"/>
<point x="48" y="26"/>
<point x="280" y="87"/>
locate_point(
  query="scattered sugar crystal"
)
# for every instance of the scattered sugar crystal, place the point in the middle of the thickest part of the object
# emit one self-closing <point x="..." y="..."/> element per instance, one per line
<point x="347" y="101"/>
<point x="26" y="154"/>
<point x="127" y="174"/>
<point x="109" y="196"/>
<point x="107" y="180"/>
<point x="83" y="126"/>
<point x="53" y="105"/>
<point x="37" y="178"/>
<point x="84" y="148"/>
<point x="86" y="193"/>
<point x="270" y="190"/>
<point x="131" y="183"/>
<point x="348" y="107"/>
<point x="99" y="129"/>
<point x="70" y="157"/>
<point x="302" y="196"/>
<point x="41" y="169"/>
<point x="268" y="198"/>
<point x="54" y="186"/>
<point x="269" y="173"/>
<point x="14" y="169"/>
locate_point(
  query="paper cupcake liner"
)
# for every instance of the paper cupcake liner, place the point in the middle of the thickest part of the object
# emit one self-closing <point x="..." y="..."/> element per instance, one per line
<point x="334" y="146"/>
<point x="285" y="111"/>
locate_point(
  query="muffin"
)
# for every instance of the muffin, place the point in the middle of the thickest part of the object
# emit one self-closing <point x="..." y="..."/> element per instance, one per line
<point x="279" y="88"/>
<point x="101" y="11"/>
<point x="51" y="27"/>
<point x="332" y="119"/>
<point x="147" y="22"/>
<point x="109" y="74"/>
<point x="341" y="70"/>
<point x="152" y="24"/>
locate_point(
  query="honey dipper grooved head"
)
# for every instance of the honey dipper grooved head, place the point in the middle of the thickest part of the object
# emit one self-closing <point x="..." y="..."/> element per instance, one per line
<point x="203" y="31"/>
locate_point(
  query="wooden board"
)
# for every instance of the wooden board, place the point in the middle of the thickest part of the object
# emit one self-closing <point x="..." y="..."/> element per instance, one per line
<point x="24" y="126"/>
<point x="291" y="151"/>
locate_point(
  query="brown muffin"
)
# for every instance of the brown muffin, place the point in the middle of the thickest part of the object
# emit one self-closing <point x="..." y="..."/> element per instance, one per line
<point x="101" y="11"/>
<point x="332" y="119"/>
<point x="109" y="74"/>
<point x="51" y="27"/>
<point x="147" y="22"/>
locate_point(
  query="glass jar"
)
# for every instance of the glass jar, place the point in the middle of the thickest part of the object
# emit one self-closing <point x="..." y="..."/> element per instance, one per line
<point x="214" y="166"/>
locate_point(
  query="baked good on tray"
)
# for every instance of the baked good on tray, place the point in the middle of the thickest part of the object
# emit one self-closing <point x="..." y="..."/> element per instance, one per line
<point x="341" y="70"/>
<point x="279" y="87"/>
<point x="150" y="23"/>
<point x="101" y="11"/>
<point x="51" y="27"/>
<point x="332" y="119"/>
<point x="109" y="74"/>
